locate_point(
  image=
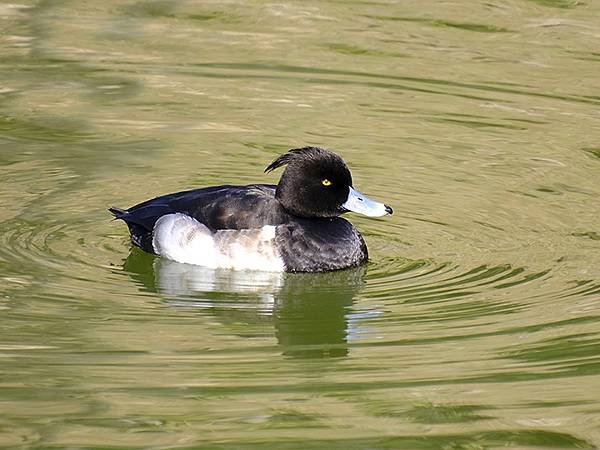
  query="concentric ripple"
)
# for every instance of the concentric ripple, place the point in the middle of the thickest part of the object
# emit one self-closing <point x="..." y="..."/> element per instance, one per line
<point x="475" y="324"/>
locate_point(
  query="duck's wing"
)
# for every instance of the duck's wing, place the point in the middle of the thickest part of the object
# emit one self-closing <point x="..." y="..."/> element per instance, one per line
<point x="217" y="207"/>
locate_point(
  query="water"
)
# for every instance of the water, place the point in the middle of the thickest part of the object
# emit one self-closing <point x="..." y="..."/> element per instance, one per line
<point x="476" y="325"/>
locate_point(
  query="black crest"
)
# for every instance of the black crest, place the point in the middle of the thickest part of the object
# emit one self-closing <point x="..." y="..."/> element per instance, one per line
<point x="305" y="154"/>
<point x="315" y="182"/>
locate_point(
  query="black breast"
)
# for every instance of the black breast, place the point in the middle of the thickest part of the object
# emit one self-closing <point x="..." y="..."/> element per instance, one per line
<point x="319" y="245"/>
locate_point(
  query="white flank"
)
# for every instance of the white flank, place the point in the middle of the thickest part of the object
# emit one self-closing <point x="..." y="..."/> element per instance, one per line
<point x="183" y="239"/>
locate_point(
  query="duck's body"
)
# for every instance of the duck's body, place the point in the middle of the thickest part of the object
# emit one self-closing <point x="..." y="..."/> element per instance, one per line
<point x="289" y="227"/>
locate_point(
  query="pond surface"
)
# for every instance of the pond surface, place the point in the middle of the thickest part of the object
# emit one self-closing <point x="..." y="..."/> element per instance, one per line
<point x="476" y="324"/>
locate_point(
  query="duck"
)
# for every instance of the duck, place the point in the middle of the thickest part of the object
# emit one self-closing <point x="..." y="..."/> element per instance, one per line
<point x="294" y="226"/>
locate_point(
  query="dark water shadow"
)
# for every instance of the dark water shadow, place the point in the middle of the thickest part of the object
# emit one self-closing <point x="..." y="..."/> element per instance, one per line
<point x="515" y="439"/>
<point x="308" y="312"/>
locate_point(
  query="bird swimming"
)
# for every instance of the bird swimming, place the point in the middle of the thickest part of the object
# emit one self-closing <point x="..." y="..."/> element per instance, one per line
<point x="294" y="226"/>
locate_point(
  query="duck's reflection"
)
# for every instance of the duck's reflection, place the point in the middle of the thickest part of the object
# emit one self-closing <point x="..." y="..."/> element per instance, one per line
<point x="309" y="311"/>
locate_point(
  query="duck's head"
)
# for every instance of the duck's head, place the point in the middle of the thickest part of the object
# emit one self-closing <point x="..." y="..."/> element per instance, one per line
<point x="317" y="183"/>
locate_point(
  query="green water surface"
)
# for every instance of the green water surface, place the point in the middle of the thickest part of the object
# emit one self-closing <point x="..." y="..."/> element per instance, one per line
<point x="476" y="324"/>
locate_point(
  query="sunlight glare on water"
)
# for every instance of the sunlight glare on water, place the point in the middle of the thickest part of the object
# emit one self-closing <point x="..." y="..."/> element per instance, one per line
<point x="476" y="323"/>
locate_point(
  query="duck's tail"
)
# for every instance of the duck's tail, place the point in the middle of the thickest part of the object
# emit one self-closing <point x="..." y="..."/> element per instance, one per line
<point x="117" y="212"/>
<point x="140" y="236"/>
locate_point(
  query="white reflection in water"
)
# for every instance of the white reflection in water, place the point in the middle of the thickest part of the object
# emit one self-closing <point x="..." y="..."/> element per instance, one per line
<point x="175" y="279"/>
<point x="311" y="314"/>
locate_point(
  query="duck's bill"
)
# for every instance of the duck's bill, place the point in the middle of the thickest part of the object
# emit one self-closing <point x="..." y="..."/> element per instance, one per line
<point x="361" y="204"/>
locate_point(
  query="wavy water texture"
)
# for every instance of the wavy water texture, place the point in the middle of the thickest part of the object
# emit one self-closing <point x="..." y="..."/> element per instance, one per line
<point x="476" y="322"/>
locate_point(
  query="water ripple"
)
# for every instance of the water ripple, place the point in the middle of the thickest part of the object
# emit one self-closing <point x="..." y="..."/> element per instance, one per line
<point x="278" y="71"/>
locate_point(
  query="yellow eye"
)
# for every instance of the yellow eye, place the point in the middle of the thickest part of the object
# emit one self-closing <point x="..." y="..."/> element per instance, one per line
<point x="326" y="182"/>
